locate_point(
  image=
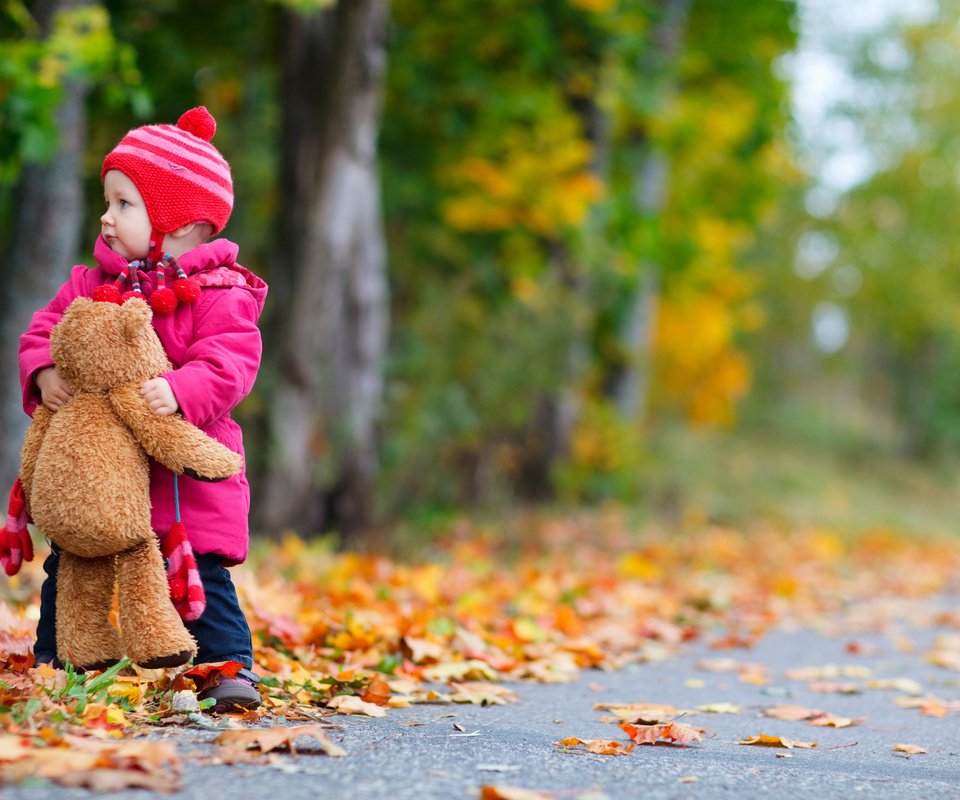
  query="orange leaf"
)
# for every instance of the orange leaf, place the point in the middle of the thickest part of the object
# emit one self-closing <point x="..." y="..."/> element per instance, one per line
<point x="600" y="747"/>
<point x="377" y="692"/>
<point x="267" y="739"/>
<point x="489" y="792"/>
<point x="671" y="732"/>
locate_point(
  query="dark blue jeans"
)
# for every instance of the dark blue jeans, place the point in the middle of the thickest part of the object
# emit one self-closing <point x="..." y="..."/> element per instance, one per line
<point x="222" y="632"/>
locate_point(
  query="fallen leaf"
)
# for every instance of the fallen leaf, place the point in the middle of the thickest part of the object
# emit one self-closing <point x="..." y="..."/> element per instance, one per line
<point x="763" y="740"/>
<point x="481" y="693"/>
<point x="720" y="708"/>
<point x="835" y="688"/>
<point x="600" y="747"/>
<point x="634" y="712"/>
<point x="376" y="692"/>
<point x="828" y="672"/>
<point x="351" y="704"/>
<point x="268" y="739"/>
<point x="228" y="669"/>
<point x="792" y="713"/>
<point x="912" y="749"/>
<point x="101" y="766"/>
<point x="831" y="721"/>
<point x="511" y="793"/>
<point x="473" y="669"/>
<point x="675" y="732"/>
<point x="905" y="685"/>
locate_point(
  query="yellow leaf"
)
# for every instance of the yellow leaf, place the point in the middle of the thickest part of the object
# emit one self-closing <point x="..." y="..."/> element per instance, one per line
<point x="351" y="704"/>
<point x="913" y="749"/>
<point x="763" y="740"/>
<point x="720" y="708"/>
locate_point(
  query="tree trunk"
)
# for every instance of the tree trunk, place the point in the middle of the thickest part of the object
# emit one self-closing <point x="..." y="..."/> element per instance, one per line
<point x="330" y="290"/>
<point x="631" y="384"/>
<point x="48" y="212"/>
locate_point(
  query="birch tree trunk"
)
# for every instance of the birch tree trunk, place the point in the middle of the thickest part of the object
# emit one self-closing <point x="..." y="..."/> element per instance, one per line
<point x="48" y="212"/>
<point x="631" y="385"/>
<point x="330" y="297"/>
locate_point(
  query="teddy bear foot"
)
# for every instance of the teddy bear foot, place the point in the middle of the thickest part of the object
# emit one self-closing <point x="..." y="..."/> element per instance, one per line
<point x="166" y="662"/>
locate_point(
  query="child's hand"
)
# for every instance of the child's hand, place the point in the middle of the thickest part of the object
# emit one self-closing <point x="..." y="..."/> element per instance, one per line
<point x="54" y="389"/>
<point x="160" y="396"/>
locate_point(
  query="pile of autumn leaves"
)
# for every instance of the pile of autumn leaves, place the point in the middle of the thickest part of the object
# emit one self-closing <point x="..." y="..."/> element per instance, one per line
<point x="360" y="633"/>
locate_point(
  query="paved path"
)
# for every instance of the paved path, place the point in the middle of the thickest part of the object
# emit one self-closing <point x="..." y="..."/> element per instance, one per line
<point x="422" y="753"/>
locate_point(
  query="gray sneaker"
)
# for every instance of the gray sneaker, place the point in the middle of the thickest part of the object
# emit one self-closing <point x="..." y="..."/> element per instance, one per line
<point x="239" y="693"/>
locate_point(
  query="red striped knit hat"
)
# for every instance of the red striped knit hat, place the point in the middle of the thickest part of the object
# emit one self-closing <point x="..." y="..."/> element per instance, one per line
<point x="181" y="176"/>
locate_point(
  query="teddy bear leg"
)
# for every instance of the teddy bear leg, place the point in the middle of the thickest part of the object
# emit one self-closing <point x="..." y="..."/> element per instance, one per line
<point x="85" y="634"/>
<point x="152" y="631"/>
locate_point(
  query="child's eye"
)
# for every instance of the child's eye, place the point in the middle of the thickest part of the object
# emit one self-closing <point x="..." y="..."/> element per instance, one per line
<point x="123" y="204"/>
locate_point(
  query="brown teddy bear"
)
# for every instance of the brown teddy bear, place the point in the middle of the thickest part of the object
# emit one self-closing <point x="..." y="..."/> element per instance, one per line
<point x="85" y="478"/>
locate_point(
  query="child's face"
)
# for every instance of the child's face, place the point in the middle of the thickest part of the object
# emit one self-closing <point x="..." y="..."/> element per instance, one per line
<point x="125" y="225"/>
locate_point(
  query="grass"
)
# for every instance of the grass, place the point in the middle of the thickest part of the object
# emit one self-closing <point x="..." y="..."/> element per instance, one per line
<point x="743" y="479"/>
<point x="738" y="477"/>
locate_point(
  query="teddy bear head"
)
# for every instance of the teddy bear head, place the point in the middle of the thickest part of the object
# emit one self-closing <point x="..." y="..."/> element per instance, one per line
<point x="98" y="346"/>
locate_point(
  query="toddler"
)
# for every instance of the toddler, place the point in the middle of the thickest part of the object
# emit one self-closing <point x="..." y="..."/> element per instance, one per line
<point x="167" y="191"/>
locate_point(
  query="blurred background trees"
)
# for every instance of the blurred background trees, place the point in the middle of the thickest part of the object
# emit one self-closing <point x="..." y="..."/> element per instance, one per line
<point x="565" y="250"/>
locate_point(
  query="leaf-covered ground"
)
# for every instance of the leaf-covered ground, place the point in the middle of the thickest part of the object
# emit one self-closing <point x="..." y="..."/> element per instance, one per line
<point x="545" y="600"/>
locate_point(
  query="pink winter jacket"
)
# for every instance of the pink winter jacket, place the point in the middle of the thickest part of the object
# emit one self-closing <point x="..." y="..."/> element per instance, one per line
<point x="215" y="348"/>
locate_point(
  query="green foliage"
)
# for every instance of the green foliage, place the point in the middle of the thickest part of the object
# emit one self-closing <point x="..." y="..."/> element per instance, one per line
<point x="306" y="6"/>
<point x="83" y="688"/>
<point x="458" y="412"/>
<point x="36" y="69"/>
<point x="221" y="55"/>
<point x="513" y="136"/>
<point x="891" y="260"/>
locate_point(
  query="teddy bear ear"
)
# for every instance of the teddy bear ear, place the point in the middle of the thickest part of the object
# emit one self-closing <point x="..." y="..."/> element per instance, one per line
<point x="78" y="304"/>
<point x="136" y="318"/>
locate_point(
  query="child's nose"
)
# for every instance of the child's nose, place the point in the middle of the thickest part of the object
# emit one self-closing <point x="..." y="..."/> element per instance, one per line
<point x="105" y="218"/>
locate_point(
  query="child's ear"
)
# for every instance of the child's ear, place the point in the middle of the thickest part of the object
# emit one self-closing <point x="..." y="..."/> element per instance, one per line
<point x="183" y="230"/>
<point x="202" y="229"/>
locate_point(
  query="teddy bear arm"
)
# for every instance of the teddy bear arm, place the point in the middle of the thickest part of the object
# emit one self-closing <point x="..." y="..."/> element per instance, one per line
<point x="32" y="440"/>
<point x="171" y="440"/>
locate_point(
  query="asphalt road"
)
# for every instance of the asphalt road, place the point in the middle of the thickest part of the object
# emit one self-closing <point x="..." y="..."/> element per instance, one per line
<point x="427" y="752"/>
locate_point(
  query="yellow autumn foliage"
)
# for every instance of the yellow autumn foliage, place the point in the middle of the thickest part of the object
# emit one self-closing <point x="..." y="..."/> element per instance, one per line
<point x="699" y="368"/>
<point x="539" y="180"/>
<point x="596" y="6"/>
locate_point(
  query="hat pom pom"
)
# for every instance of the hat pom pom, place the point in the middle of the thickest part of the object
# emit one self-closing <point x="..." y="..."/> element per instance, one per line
<point x="130" y="295"/>
<point x="163" y="301"/>
<point x="187" y="289"/>
<point x="199" y="122"/>
<point x="106" y="293"/>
